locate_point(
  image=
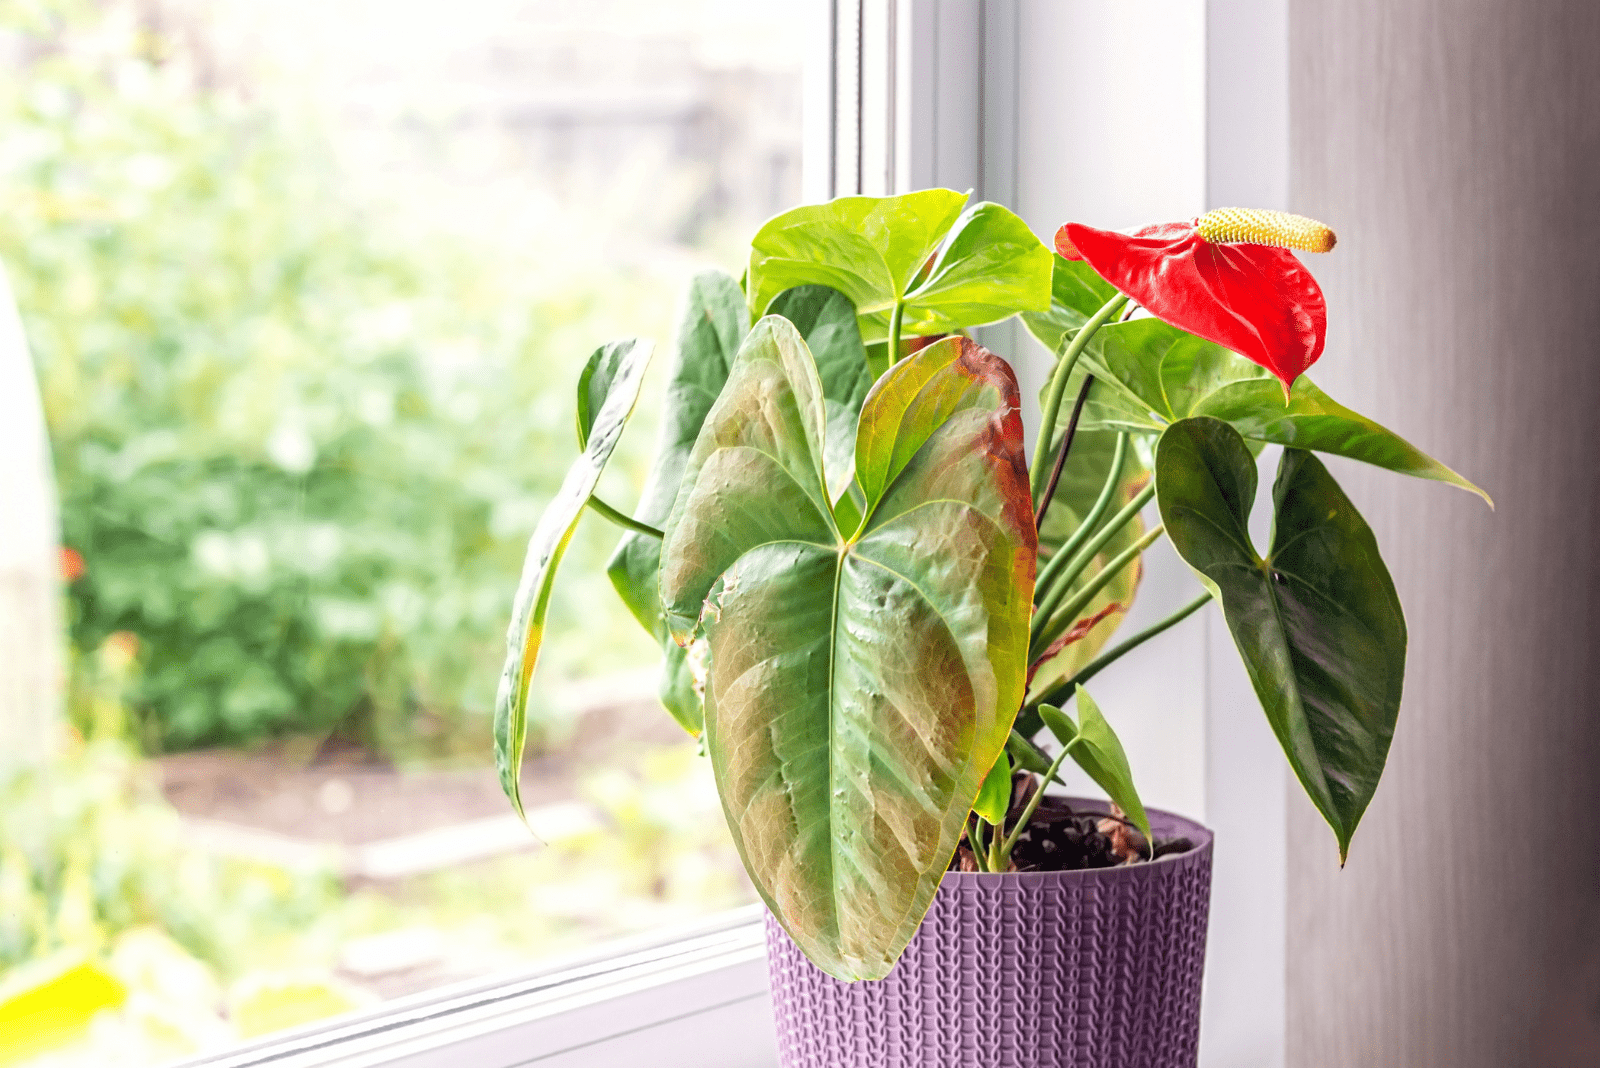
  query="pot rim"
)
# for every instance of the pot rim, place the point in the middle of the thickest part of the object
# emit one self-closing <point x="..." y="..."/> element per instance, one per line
<point x="1176" y="824"/>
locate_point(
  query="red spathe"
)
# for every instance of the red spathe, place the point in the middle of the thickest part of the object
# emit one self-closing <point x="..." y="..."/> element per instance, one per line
<point x="1257" y="300"/>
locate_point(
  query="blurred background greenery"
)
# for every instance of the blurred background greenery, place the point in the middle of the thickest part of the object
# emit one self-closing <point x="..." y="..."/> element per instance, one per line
<point x="308" y="286"/>
<point x="124" y="943"/>
<point x="301" y="434"/>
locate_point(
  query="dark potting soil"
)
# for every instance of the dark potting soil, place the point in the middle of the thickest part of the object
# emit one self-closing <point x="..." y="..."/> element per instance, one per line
<point x="1060" y="839"/>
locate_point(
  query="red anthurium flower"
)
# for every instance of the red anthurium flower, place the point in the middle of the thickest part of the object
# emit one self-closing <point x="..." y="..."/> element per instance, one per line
<point x="1227" y="276"/>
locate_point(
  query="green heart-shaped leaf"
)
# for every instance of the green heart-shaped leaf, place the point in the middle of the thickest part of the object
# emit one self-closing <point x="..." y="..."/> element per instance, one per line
<point x="622" y="365"/>
<point x="1150" y="375"/>
<point x="1095" y="748"/>
<point x="1317" y="620"/>
<point x="860" y="684"/>
<point x="877" y="251"/>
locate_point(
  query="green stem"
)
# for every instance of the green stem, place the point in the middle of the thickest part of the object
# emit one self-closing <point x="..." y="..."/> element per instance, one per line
<point x="1061" y="691"/>
<point x="1058" y="387"/>
<point x="975" y="842"/>
<point x="891" y="347"/>
<point x="1062" y="581"/>
<point x="996" y="863"/>
<point x="1033" y="804"/>
<point x="1063" y="619"/>
<point x="623" y="521"/>
<point x="1062" y="556"/>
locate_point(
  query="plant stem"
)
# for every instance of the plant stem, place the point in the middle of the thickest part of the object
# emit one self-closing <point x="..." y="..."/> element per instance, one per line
<point x="1033" y="803"/>
<point x="624" y="521"/>
<point x="1061" y="454"/>
<point x="1069" y="548"/>
<point x="891" y="347"/>
<point x="1063" y="619"/>
<point x="1062" y="690"/>
<point x="1061" y="582"/>
<point x="975" y="842"/>
<point x="996" y="861"/>
<point x="1058" y="387"/>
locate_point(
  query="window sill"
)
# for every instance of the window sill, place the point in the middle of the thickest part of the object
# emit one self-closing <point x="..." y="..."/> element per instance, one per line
<point x="695" y="999"/>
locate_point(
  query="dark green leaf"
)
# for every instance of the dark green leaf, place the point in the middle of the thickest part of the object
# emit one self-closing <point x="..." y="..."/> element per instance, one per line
<point x="1317" y="621"/>
<point x="1152" y="375"/>
<point x="873" y="250"/>
<point x="1026" y="755"/>
<point x="860" y="684"/>
<point x="545" y="549"/>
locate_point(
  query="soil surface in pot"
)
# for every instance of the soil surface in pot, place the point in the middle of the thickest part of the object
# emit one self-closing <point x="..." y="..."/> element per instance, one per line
<point x="1058" y="838"/>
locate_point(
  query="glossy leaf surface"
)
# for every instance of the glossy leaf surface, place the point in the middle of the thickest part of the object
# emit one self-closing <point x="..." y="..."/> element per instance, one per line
<point x="862" y="683"/>
<point x="989" y="265"/>
<point x="1095" y="748"/>
<point x="545" y="549"/>
<point x="1317" y="620"/>
<point x="1150" y="375"/>
<point x="712" y="326"/>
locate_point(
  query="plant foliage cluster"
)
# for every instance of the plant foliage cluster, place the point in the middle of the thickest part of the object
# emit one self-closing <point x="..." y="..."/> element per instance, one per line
<point x="873" y="605"/>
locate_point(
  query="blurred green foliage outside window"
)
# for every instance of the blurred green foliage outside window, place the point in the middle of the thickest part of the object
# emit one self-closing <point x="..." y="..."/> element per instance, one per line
<point x="299" y="446"/>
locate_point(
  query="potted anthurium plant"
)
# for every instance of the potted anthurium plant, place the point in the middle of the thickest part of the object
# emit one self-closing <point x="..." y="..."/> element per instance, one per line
<point x="880" y="616"/>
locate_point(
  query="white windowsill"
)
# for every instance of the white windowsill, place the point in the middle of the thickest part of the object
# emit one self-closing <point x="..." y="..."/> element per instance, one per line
<point x="694" y="998"/>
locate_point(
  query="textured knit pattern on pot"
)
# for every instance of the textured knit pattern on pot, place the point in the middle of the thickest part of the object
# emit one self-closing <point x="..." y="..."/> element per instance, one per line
<point x="1087" y="969"/>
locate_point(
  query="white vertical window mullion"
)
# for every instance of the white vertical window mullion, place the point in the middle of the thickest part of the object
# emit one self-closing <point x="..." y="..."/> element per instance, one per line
<point x="819" y="103"/>
<point x="906" y="95"/>
<point x="876" y="117"/>
<point x="849" y="99"/>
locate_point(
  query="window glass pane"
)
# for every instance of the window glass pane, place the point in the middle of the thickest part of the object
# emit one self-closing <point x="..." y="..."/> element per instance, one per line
<point x="307" y="287"/>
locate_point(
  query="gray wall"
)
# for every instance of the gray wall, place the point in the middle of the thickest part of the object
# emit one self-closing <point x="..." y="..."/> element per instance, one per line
<point x="1455" y="147"/>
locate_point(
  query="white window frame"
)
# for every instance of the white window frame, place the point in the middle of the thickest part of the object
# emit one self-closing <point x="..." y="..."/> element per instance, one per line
<point x="900" y="95"/>
<point x="692" y="997"/>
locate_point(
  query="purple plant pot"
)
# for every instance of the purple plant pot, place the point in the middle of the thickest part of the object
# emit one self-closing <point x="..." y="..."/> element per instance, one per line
<point x="1092" y="969"/>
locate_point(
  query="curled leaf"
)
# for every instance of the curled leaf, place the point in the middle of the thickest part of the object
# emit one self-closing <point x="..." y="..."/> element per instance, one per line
<point x="546" y="547"/>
